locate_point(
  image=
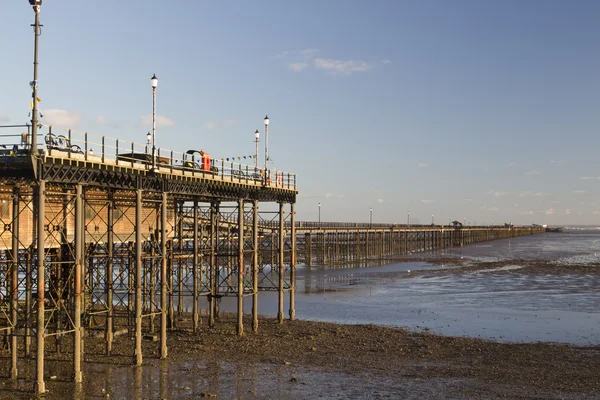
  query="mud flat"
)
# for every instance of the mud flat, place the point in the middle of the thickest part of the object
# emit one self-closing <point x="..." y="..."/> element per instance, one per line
<point x="305" y="360"/>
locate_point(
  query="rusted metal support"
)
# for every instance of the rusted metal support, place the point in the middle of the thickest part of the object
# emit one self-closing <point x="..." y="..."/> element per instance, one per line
<point x="293" y="263"/>
<point x="138" y="278"/>
<point x="14" y="284"/>
<point x="195" y="269"/>
<point x="255" y="266"/>
<point x="280" y="269"/>
<point x="163" y="277"/>
<point x="180" y="263"/>
<point x="109" y="272"/>
<point x="240" y="269"/>
<point x="40" y="386"/>
<point x="214" y="211"/>
<point x="29" y="296"/>
<point x="79" y="250"/>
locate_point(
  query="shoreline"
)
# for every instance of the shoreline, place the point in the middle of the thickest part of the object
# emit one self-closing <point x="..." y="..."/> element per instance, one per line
<point x="303" y="352"/>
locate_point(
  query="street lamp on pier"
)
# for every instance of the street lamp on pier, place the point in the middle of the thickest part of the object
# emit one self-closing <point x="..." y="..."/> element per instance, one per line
<point x="266" y="147"/>
<point x="431" y="219"/>
<point x="256" y="135"/>
<point x="408" y="219"/>
<point x="371" y="218"/>
<point x="154" y="83"/>
<point x="36" y="4"/>
<point x="319" y="214"/>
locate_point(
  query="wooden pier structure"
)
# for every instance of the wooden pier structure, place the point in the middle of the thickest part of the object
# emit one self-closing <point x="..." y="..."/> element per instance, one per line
<point x="95" y="239"/>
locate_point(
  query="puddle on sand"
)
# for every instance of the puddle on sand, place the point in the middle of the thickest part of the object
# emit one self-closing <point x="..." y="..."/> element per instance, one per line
<point x="191" y="379"/>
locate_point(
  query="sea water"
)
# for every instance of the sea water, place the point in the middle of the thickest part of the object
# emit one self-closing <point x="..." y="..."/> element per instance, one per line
<point x="500" y="304"/>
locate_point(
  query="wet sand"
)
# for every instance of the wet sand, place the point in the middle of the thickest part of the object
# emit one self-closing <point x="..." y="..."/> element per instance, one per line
<point x="305" y="360"/>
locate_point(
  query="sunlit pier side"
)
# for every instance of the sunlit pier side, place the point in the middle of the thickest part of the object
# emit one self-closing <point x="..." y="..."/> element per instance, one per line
<point x="98" y="239"/>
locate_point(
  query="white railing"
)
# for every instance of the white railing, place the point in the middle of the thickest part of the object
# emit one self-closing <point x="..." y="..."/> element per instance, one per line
<point x="89" y="147"/>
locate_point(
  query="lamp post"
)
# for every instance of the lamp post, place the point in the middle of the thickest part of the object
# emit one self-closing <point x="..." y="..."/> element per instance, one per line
<point x="256" y="135"/>
<point x="432" y="219"/>
<point x="154" y="83"/>
<point x="148" y="141"/>
<point x="36" y="4"/>
<point x="319" y="214"/>
<point x="371" y="218"/>
<point x="266" y="147"/>
<point x="408" y="219"/>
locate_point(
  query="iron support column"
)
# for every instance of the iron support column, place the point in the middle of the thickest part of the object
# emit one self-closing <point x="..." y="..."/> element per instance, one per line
<point x="280" y="269"/>
<point x="240" y="283"/>
<point x="138" y="277"/>
<point x="293" y="263"/>
<point x="255" y="266"/>
<point x="163" y="277"/>
<point x="14" y="284"/>
<point x="109" y="271"/>
<point x="40" y="386"/>
<point x="79" y="246"/>
<point x="195" y="269"/>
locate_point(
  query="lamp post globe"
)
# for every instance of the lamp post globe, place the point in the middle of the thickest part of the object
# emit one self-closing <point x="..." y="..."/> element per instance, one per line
<point x="154" y="84"/>
<point x="256" y="136"/>
<point x="266" y="147"/>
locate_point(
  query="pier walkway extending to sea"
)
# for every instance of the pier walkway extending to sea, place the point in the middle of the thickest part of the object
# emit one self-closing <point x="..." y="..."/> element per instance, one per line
<point x="96" y="236"/>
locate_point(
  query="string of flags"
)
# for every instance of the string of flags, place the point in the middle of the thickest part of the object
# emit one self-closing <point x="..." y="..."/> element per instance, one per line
<point x="239" y="158"/>
<point x="253" y="156"/>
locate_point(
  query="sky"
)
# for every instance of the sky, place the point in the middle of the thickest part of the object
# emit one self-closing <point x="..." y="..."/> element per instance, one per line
<point x="482" y="111"/>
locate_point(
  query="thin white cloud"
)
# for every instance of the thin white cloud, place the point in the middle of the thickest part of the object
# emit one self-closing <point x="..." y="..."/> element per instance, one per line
<point x="555" y="202"/>
<point x="596" y="212"/>
<point x="497" y="193"/>
<point x="550" y="211"/>
<point x="101" y="120"/>
<point x="229" y="122"/>
<point x="557" y="161"/>
<point x="577" y="191"/>
<point x="567" y="211"/>
<point x="386" y="61"/>
<point x="61" y="118"/>
<point x="328" y="195"/>
<point x="341" y="67"/>
<point x="427" y="201"/>
<point x="493" y="209"/>
<point x="380" y="201"/>
<point x="588" y="178"/>
<point x="532" y="173"/>
<point x="297" y="66"/>
<point x="529" y="193"/>
<point x="511" y="164"/>
<point x="161" y="120"/>
<point x="422" y="165"/>
<point x="468" y="199"/>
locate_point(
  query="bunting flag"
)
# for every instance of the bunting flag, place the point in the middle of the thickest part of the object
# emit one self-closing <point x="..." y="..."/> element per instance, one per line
<point x="251" y="156"/>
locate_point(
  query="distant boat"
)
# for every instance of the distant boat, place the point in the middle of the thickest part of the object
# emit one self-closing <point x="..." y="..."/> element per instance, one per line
<point x="554" y="230"/>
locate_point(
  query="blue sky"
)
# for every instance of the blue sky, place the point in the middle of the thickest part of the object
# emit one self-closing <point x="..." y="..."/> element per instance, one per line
<point x="476" y="110"/>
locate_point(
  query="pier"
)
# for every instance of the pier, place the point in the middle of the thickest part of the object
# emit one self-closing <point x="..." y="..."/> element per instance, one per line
<point x="97" y="240"/>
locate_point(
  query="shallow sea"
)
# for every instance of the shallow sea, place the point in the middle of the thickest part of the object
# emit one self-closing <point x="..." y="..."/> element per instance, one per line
<point x="488" y="304"/>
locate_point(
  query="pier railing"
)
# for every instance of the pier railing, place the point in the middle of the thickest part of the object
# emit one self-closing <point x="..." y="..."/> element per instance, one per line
<point x="15" y="145"/>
